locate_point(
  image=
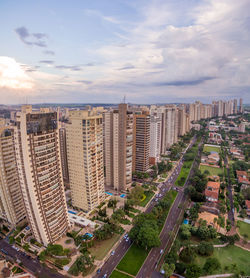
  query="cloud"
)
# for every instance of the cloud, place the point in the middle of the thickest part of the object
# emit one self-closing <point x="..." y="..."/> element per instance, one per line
<point x="127" y="67"/>
<point x="98" y="14"/>
<point x="31" y="39"/>
<point x="49" y="52"/>
<point x="12" y="75"/>
<point x="87" y="82"/>
<point x="72" y="68"/>
<point x="185" y="82"/>
<point x="48" y="62"/>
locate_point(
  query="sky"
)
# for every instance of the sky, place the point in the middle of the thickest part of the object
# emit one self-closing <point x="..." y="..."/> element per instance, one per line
<point x="150" y="51"/>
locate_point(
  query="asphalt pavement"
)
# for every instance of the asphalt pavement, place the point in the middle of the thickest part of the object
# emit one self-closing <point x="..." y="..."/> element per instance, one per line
<point x="154" y="255"/>
<point x="29" y="263"/>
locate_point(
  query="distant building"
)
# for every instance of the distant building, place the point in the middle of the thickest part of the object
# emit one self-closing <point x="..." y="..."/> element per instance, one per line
<point x="241" y="106"/>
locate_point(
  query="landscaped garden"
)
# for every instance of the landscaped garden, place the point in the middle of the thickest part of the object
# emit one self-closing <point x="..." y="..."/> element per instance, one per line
<point x="244" y="229"/>
<point x="184" y="173"/>
<point x="229" y="258"/>
<point x="118" y="274"/>
<point x="133" y="260"/>
<point x="212" y="149"/>
<point x="212" y="170"/>
<point x="186" y="167"/>
<point x="148" y="196"/>
<point x="101" y="248"/>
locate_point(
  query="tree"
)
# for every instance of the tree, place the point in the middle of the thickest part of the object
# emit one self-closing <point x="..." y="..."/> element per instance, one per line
<point x="187" y="255"/>
<point x="193" y="271"/>
<point x="180" y="268"/>
<point x="169" y="269"/>
<point x="136" y="194"/>
<point x="185" y="232"/>
<point x="145" y="231"/>
<point x="205" y="249"/>
<point x="211" y="264"/>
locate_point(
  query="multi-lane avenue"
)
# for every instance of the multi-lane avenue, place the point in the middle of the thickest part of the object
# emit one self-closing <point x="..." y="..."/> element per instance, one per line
<point x="154" y="255"/>
<point x="29" y="263"/>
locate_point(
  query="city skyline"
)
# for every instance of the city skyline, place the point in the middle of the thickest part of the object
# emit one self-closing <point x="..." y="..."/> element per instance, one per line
<point x="152" y="52"/>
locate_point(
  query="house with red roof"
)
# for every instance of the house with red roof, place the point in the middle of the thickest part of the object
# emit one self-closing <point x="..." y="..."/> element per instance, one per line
<point x="212" y="191"/>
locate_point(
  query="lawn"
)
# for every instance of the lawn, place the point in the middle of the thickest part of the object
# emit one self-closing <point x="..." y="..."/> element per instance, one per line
<point x="117" y="274"/>
<point x="227" y="256"/>
<point x="180" y="181"/>
<point x="133" y="260"/>
<point x="244" y="229"/>
<point x="149" y="195"/>
<point x="101" y="248"/>
<point x="211" y="149"/>
<point x="212" y="170"/>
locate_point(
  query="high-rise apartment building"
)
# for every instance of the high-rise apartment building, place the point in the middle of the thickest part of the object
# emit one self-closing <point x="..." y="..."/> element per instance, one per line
<point x="11" y="201"/>
<point x="155" y="139"/>
<point x="63" y="151"/>
<point x="40" y="174"/>
<point x="169" y="127"/>
<point x="84" y="135"/>
<point x="241" y="106"/>
<point x="118" y="137"/>
<point x="235" y="108"/>
<point x="181" y="121"/>
<point x="141" y="138"/>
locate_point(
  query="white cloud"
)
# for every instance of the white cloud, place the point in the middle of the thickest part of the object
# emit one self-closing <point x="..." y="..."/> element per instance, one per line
<point x="13" y="76"/>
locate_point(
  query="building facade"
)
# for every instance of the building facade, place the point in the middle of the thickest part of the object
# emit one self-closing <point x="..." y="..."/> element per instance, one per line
<point x="118" y="138"/>
<point x="40" y="174"/>
<point x="11" y="201"/>
<point x="141" y="141"/>
<point x="85" y="159"/>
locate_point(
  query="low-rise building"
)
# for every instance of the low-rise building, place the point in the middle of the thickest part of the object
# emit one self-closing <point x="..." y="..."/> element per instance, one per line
<point x="212" y="191"/>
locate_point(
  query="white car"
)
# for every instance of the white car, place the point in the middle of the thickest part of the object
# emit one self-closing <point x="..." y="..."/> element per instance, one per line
<point x="112" y="253"/>
<point x="161" y="251"/>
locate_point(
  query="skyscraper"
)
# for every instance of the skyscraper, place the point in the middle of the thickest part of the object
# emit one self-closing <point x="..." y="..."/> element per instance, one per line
<point x="169" y="127"/>
<point x="63" y="151"/>
<point x="85" y="159"/>
<point x="118" y="137"/>
<point x="241" y="106"/>
<point x="141" y="138"/>
<point x="155" y="139"/>
<point x="11" y="201"/>
<point x="40" y="174"/>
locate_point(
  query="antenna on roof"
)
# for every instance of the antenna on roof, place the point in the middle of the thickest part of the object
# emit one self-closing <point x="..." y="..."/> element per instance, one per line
<point x="124" y="99"/>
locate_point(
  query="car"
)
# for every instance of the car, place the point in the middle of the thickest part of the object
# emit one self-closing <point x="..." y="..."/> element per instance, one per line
<point x="127" y="239"/>
<point x="161" y="251"/>
<point x="98" y="270"/>
<point x="112" y="253"/>
<point x="105" y="275"/>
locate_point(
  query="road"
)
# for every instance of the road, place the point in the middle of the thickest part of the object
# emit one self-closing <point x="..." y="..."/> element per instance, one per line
<point x="124" y="245"/>
<point x="29" y="263"/>
<point x="175" y="212"/>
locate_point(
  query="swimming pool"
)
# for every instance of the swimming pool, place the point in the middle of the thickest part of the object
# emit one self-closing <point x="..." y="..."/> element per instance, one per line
<point x="109" y="193"/>
<point x="88" y="234"/>
<point x="72" y="212"/>
<point x="123" y="195"/>
<point x="185" y="221"/>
